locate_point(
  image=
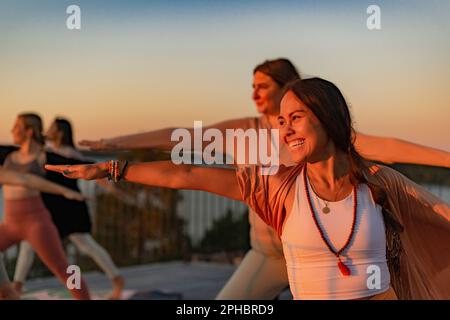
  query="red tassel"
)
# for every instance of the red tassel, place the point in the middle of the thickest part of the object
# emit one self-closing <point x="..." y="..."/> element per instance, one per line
<point x="344" y="269"/>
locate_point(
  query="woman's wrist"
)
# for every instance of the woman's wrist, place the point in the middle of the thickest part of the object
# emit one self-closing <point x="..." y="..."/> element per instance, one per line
<point x="116" y="169"/>
<point x="104" y="166"/>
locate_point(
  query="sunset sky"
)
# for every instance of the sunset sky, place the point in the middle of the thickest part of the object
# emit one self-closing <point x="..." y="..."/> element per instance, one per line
<point x="143" y="65"/>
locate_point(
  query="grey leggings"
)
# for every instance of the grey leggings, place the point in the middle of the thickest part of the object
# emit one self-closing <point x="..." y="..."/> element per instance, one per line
<point x="84" y="243"/>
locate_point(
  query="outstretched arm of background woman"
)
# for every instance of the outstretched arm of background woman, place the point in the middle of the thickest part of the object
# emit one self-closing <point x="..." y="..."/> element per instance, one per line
<point x="35" y="182"/>
<point x="384" y="149"/>
<point x="393" y="150"/>
<point x="162" y="174"/>
<point x="159" y="139"/>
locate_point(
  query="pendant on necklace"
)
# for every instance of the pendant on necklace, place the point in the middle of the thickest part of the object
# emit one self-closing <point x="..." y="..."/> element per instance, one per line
<point x="344" y="269"/>
<point x="326" y="210"/>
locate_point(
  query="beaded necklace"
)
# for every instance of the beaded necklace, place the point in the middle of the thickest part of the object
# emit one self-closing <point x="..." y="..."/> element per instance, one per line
<point x="342" y="267"/>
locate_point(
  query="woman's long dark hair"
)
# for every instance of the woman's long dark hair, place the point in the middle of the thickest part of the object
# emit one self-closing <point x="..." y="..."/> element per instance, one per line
<point x="327" y="103"/>
<point x="64" y="126"/>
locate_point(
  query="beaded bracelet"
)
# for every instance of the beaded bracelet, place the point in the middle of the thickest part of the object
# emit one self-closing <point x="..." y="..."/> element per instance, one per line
<point x="116" y="169"/>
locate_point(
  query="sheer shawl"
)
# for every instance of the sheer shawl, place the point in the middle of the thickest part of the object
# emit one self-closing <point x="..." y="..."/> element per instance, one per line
<point x="417" y="225"/>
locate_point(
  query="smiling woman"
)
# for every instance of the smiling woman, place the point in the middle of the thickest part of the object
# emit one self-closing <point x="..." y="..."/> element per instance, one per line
<point x="370" y="205"/>
<point x="323" y="126"/>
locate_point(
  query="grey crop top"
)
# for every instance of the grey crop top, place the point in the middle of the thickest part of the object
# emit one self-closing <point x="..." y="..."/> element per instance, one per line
<point x="31" y="167"/>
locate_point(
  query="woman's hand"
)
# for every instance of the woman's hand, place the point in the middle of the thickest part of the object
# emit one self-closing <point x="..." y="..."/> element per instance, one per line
<point x="81" y="171"/>
<point x="73" y="195"/>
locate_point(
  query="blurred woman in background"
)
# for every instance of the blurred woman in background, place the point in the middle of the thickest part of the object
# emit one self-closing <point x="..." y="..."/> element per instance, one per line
<point x="25" y="215"/>
<point x="72" y="219"/>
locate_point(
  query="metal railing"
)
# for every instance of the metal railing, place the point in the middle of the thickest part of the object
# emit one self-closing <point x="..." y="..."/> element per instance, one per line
<point x="168" y="224"/>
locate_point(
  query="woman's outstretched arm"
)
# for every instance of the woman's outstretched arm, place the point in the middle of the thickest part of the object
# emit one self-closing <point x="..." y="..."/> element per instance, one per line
<point x="35" y="182"/>
<point x="221" y="181"/>
<point x="159" y="139"/>
<point x="393" y="150"/>
<point x="384" y="149"/>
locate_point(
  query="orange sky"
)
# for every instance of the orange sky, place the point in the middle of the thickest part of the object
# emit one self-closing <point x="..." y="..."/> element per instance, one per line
<point x="131" y="70"/>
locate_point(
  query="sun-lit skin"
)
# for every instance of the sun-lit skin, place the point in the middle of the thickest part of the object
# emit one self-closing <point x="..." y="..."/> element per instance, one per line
<point x="19" y="132"/>
<point x="266" y="94"/>
<point x="52" y="133"/>
<point x="302" y="132"/>
<point x="308" y="142"/>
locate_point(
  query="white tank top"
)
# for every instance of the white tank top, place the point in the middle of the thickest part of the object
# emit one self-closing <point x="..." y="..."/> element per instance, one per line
<point x="312" y="268"/>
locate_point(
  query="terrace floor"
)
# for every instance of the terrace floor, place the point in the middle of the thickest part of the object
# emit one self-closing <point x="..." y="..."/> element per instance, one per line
<point x="157" y="281"/>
